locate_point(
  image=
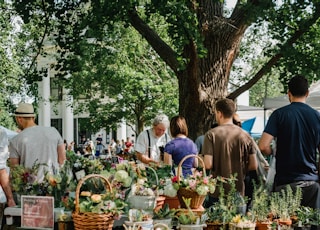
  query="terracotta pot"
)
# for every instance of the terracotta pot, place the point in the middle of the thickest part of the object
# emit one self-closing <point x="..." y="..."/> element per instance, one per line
<point x="285" y="222"/>
<point x="212" y="226"/>
<point x="263" y="225"/>
<point x="173" y="202"/>
<point x="159" y="202"/>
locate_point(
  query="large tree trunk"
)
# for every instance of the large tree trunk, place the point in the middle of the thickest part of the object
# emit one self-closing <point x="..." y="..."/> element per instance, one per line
<point x="206" y="79"/>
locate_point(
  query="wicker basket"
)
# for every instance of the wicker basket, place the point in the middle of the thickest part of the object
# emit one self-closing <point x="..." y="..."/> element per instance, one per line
<point x="88" y="220"/>
<point x="196" y="199"/>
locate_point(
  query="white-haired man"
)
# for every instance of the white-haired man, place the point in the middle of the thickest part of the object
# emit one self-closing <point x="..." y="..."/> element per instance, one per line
<point x="150" y="143"/>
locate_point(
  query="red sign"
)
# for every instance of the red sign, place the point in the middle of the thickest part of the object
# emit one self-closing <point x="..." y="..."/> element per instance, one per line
<point x="37" y="212"/>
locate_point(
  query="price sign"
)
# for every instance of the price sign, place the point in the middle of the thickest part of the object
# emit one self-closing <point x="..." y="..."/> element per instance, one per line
<point x="37" y="212"/>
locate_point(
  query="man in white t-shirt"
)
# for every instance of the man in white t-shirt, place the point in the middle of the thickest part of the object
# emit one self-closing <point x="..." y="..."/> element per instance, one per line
<point x="34" y="143"/>
<point x="150" y="143"/>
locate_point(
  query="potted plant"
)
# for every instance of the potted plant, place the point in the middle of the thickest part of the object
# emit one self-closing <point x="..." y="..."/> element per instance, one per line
<point x="306" y="217"/>
<point x="217" y="217"/>
<point x="138" y="218"/>
<point x="164" y="215"/>
<point x="284" y="204"/>
<point x="240" y="222"/>
<point x="220" y="214"/>
<point x="143" y="192"/>
<point x="260" y="207"/>
<point x="188" y="220"/>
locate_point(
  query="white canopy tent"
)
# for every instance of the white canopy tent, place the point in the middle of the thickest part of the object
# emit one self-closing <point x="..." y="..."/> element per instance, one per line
<point x="313" y="99"/>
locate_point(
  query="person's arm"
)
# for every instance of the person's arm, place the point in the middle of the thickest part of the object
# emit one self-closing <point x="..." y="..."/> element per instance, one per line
<point x="61" y="154"/>
<point x="5" y="184"/>
<point x="14" y="161"/>
<point x="144" y="159"/>
<point x="253" y="163"/>
<point x="167" y="159"/>
<point x="264" y="143"/>
<point x="208" y="161"/>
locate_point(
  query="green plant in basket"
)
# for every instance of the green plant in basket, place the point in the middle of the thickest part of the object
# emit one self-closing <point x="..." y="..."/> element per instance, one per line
<point x="101" y="203"/>
<point x="164" y="213"/>
<point x="188" y="217"/>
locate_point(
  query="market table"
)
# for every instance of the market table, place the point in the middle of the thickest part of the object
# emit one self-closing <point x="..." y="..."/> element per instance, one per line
<point x="13" y="219"/>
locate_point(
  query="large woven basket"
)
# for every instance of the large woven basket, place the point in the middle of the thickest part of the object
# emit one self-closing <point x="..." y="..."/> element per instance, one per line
<point x="88" y="220"/>
<point x="196" y="199"/>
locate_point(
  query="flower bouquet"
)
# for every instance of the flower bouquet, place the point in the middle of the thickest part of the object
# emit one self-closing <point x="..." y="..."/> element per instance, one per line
<point x="55" y="183"/>
<point x="195" y="186"/>
<point x="96" y="211"/>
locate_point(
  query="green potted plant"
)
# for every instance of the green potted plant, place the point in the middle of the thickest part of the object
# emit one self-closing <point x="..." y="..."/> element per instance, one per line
<point x="306" y="217"/>
<point x="164" y="215"/>
<point x="241" y="222"/>
<point x="260" y="208"/>
<point x="284" y="205"/>
<point x="188" y="220"/>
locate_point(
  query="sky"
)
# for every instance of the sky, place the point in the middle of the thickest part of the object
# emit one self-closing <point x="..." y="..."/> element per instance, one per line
<point x="231" y="3"/>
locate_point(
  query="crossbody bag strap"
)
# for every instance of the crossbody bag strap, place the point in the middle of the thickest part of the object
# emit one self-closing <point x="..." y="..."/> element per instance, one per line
<point x="149" y="143"/>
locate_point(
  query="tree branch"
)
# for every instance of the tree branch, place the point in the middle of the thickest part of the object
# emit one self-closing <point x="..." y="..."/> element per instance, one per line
<point x="163" y="50"/>
<point x="299" y="33"/>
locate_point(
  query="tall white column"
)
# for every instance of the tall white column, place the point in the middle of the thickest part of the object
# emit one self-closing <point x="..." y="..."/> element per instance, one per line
<point x="44" y="116"/>
<point x="122" y="131"/>
<point x="67" y="116"/>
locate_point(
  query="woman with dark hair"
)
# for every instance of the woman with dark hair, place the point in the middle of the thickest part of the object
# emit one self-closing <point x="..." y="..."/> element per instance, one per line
<point x="180" y="146"/>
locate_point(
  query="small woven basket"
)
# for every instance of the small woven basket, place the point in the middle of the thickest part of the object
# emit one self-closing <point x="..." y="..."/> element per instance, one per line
<point x="88" y="220"/>
<point x="196" y="199"/>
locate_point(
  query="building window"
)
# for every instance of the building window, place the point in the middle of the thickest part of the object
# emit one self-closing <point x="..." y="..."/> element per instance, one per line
<point x="55" y="90"/>
<point x="57" y="123"/>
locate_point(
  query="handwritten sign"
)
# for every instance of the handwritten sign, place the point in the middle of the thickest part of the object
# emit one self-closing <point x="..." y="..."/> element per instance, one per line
<point x="37" y="212"/>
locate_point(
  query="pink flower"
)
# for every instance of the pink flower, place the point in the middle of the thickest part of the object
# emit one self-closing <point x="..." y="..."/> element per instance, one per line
<point x="205" y="180"/>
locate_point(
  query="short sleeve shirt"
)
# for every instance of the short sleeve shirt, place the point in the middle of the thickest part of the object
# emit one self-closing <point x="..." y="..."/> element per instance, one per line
<point x="178" y="148"/>
<point x="296" y="128"/>
<point x="230" y="147"/>
<point x="37" y="144"/>
<point x="142" y="144"/>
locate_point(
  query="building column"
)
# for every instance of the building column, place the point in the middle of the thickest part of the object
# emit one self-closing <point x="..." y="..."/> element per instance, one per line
<point x="44" y="114"/>
<point x="67" y="116"/>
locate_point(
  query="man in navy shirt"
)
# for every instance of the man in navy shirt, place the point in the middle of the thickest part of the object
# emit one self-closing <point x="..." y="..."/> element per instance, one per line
<point x="296" y="128"/>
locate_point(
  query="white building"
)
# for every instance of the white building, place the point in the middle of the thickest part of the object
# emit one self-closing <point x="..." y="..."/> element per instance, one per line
<point x="56" y="109"/>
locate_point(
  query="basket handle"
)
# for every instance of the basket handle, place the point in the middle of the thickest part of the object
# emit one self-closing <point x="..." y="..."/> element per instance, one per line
<point x="155" y="173"/>
<point x="179" y="170"/>
<point x="107" y="183"/>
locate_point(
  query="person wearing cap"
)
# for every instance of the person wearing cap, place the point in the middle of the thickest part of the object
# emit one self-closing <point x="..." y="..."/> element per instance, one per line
<point x="4" y="175"/>
<point x="150" y="143"/>
<point x="36" y="144"/>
